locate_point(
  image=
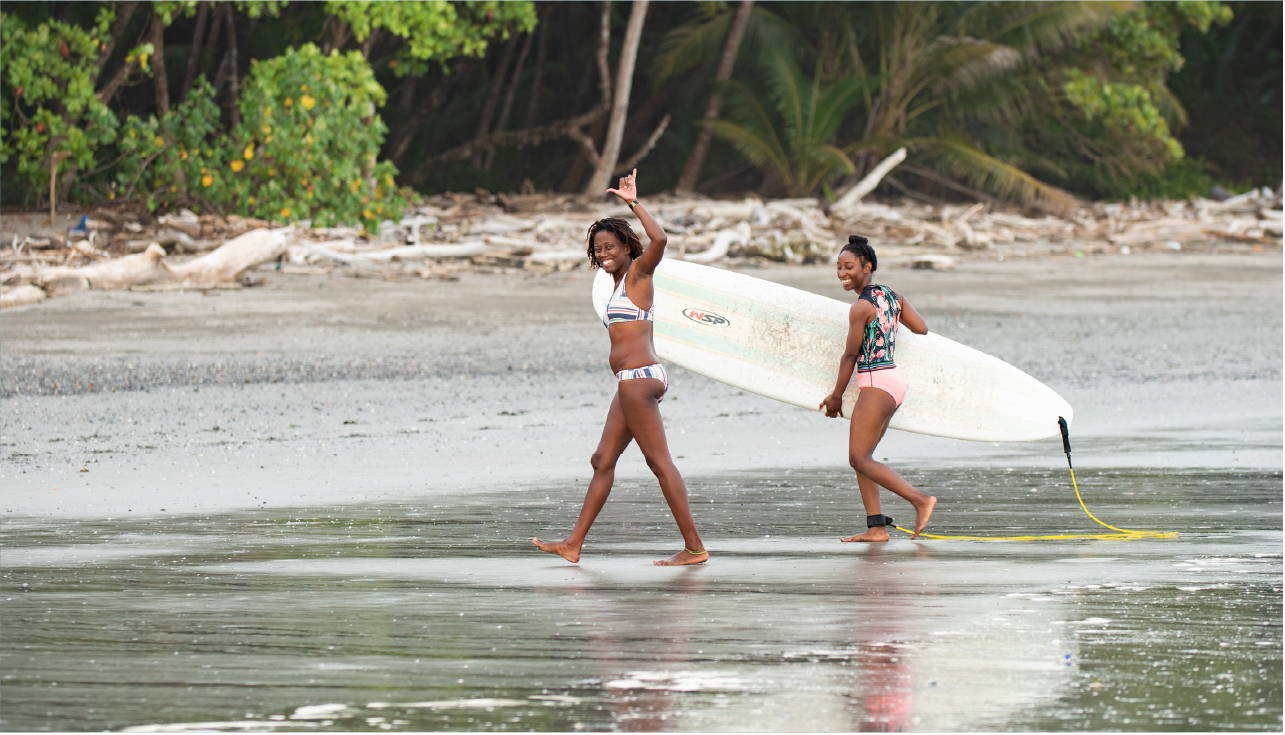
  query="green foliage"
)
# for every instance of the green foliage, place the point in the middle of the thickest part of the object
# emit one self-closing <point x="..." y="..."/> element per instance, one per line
<point x="1230" y="85"/>
<point x="306" y="146"/>
<point x="1013" y="98"/>
<point x="796" y="139"/>
<point x="308" y="142"/>
<point x="168" y="9"/>
<point x="1120" y="106"/>
<point x="49" y="106"/>
<point x="166" y="162"/>
<point x="435" y="30"/>
<point x="1121" y="113"/>
<point x="1181" y="178"/>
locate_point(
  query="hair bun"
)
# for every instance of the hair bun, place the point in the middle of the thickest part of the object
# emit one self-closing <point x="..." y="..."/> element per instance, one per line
<point x="857" y="240"/>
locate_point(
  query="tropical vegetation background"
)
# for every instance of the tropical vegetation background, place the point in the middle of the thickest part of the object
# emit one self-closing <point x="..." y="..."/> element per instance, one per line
<point x="341" y="112"/>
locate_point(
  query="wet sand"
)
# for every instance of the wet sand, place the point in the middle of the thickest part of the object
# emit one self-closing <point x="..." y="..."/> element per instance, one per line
<point x="325" y="390"/>
<point x="306" y="506"/>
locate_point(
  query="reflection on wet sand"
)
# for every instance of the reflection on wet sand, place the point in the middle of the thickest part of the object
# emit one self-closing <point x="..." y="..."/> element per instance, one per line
<point x="642" y="699"/>
<point x="884" y="690"/>
<point x="396" y="617"/>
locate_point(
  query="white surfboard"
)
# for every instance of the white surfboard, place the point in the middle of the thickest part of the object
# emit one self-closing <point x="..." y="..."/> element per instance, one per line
<point x="784" y="343"/>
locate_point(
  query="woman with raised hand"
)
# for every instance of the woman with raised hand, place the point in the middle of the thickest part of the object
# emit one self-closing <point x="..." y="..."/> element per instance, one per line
<point x="641" y="380"/>
<point x="871" y="342"/>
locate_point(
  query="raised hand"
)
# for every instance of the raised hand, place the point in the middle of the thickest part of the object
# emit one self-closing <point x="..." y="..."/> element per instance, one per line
<point x="627" y="187"/>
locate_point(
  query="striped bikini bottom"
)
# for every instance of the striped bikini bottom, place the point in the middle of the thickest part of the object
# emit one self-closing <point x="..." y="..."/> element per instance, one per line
<point x="656" y="371"/>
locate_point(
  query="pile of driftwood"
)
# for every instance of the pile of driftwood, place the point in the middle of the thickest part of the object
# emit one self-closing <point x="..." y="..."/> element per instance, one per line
<point x="543" y="233"/>
<point x="546" y="233"/>
<point x="107" y="252"/>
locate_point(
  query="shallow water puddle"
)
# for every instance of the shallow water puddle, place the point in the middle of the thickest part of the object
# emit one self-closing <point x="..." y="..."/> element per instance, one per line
<point x="438" y="615"/>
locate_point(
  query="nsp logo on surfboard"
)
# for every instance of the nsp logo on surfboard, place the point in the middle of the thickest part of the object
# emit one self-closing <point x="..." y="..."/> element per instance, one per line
<point x="706" y="317"/>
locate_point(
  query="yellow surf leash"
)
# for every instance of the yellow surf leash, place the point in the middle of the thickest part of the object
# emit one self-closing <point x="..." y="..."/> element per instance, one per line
<point x="1123" y="534"/>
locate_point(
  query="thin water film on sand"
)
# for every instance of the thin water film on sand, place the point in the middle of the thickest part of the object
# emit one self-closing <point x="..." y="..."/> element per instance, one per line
<point x="436" y="615"/>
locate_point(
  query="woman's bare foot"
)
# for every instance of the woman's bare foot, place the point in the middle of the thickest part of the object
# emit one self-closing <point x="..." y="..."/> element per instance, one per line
<point x="683" y="558"/>
<point x="923" y="511"/>
<point x="876" y="534"/>
<point x="564" y="549"/>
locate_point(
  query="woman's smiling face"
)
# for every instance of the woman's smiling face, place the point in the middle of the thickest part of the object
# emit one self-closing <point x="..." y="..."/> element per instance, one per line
<point x="851" y="270"/>
<point x="612" y="254"/>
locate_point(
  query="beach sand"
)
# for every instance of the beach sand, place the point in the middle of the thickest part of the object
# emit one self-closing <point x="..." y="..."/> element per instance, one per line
<point x="306" y="507"/>
<point x="325" y="390"/>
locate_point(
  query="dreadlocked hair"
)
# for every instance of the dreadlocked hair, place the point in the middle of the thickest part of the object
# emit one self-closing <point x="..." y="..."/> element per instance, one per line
<point x="620" y="229"/>
<point x="860" y="247"/>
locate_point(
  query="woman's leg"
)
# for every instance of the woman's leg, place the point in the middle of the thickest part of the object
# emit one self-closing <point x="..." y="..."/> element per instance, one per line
<point x="640" y="399"/>
<point x="870" y="419"/>
<point x="615" y="437"/>
<point x="870" y="500"/>
<point x="870" y="495"/>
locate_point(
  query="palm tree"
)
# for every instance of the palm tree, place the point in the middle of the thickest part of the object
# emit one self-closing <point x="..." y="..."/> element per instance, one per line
<point x="795" y="138"/>
<point x="951" y="82"/>
<point x="956" y="80"/>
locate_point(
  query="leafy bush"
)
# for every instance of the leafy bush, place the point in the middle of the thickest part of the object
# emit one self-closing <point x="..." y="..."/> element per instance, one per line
<point x="48" y="107"/>
<point x="307" y="144"/>
<point x="171" y="161"/>
<point x="1185" y="177"/>
<point x="437" y="30"/>
<point x="1120" y="117"/>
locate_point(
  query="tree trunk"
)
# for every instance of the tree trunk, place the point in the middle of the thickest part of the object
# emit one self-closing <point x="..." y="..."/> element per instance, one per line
<point x="493" y="98"/>
<point x="194" y="55"/>
<point x="413" y="116"/>
<point x="735" y="34"/>
<point x="368" y="46"/>
<point x="610" y="155"/>
<point x="514" y="79"/>
<point x="338" y="35"/>
<point x="113" y="84"/>
<point x="158" y="65"/>
<point x="123" y="16"/>
<point x="650" y="143"/>
<point x="542" y="52"/>
<point x="567" y="127"/>
<point x="515" y="138"/>
<point x="234" y="87"/>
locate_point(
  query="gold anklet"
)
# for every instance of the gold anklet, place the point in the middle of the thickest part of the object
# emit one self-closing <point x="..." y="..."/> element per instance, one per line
<point x="694" y="553"/>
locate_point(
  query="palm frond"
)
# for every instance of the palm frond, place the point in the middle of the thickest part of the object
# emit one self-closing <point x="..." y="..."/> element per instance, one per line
<point x="822" y="164"/>
<point x="744" y="105"/>
<point x="768" y="31"/>
<point x="758" y="149"/>
<point x="1037" y="28"/>
<point x="967" y="62"/>
<point x="836" y="102"/>
<point x="789" y="93"/>
<point x="959" y="158"/>
<point x="692" y="45"/>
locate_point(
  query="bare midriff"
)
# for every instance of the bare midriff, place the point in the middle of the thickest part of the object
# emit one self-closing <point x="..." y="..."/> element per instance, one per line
<point x="631" y="346"/>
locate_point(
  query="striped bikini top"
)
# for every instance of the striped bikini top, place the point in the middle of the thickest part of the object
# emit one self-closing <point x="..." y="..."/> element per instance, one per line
<point x="620" y="308"/>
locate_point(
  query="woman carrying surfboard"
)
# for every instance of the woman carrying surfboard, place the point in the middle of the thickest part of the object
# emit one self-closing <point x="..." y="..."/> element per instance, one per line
<point x="641" y="381"/>
<point x="871" y="342"/>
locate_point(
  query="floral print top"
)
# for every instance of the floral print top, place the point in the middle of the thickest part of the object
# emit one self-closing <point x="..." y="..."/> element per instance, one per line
<point x="881" y="332"/>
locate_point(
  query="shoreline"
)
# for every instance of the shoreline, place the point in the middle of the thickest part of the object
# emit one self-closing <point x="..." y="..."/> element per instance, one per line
<point x="320" y="390"/>
<point x="445" y="237"/>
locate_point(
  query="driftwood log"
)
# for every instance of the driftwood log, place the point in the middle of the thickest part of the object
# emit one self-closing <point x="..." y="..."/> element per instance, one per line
<point x="449" y="233"/>
<point x="152" y="269"/>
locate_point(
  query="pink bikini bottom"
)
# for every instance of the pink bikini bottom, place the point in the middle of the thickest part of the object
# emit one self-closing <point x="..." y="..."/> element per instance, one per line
<point x="888" y="380"/>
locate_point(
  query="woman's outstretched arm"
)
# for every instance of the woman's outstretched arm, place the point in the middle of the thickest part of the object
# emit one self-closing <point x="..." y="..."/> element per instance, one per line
<point x="627" y="190"/>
